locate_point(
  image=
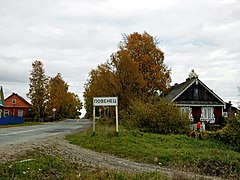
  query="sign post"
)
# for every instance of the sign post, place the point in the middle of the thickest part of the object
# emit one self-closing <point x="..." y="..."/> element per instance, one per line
<point x="105" y="101"/>
<point x="54" y="110"/>
<point x="116" y="119"/>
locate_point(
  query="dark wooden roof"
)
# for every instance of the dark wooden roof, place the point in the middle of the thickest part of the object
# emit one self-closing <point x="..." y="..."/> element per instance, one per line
<point x="179" y="89"/>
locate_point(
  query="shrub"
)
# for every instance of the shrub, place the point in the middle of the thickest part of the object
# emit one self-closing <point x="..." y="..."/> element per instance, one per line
<point x="157" y="116"/>
<point x="230" y="134"/>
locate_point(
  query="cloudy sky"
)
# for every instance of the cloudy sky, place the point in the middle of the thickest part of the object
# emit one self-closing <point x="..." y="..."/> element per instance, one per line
<point x="72" y="37"/>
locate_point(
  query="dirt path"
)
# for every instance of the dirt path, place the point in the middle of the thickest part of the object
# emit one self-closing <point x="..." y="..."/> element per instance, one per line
<point x="57" y="145"/>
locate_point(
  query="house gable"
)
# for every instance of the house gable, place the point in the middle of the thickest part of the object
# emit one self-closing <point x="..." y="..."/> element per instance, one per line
<point x="15" y="105"/>
<point x="194" y="92"/>
<point x="194" y="97"/>
<point x="14" y="100"/>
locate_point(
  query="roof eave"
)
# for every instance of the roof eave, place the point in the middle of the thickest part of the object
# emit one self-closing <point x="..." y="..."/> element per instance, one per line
<point x="183" y="91"/>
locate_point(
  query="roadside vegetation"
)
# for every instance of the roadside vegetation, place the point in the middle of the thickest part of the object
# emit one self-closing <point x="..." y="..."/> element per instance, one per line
<point x="157" y="115"/>
<point x="180" y="152"/>
<point x="153" y="130"/>
<point x="35" y="165"/>
<point x="24" y="124"/>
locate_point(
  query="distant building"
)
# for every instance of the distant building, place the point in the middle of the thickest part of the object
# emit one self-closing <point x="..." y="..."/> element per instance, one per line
<point x="196" y="99"/>
<point x="15" y="105"/>
<point x="230" y="111"/>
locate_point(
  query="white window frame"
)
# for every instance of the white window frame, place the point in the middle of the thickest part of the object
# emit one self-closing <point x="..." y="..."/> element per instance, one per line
<point x="207" y="114"/>
<point x="14" y="101"/>
<point x="20" y="113"/>
<point x="189" y="111"/>
<point x="6" y="113"/>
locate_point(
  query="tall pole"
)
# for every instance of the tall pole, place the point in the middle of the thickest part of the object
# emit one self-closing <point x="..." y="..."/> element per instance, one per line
<point x="117" y="119"/>
<point x="93" y="120"/>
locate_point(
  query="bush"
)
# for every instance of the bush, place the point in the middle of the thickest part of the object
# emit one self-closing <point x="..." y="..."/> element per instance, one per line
<point x="230" y="134"/>
<point x="156" y="116"/>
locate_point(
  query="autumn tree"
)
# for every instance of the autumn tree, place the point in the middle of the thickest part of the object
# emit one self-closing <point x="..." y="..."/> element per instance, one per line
<point x="130" y="80"/>
<point x="72" y="106"/>
<point x="37" y="90"/>
<point x="135" y="71"/>
<point x="139" y="66"/>
<point x="102" y="82"/>
<point x="66" y="104"/>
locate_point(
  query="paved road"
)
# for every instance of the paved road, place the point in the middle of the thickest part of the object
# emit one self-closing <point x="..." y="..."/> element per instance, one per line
<point x="22" y="134"/>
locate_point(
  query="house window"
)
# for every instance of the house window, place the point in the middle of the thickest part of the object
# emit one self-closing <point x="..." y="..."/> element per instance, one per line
<point x="208" y="114"/>
<point x="14" y="101"/>
<point x="188" y="111"/>
<point x="20" y="113"/>
<point x="195" y="94"/>
<point x="225" y="114"/>
<point x="6" y="113"/>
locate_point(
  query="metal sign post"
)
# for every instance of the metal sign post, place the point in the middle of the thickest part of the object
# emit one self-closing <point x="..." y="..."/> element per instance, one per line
<point x="105" y="101"/>
<point x="116" y="119"/>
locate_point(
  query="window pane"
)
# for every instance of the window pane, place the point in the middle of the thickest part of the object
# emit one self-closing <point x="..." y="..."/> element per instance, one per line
<point x="20" y="113"/>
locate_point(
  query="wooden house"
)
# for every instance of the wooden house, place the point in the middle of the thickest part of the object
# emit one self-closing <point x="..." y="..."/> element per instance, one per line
<point x="15" y="105"/>
<point x="230" y="111"/>
<point x="196" y="99"/>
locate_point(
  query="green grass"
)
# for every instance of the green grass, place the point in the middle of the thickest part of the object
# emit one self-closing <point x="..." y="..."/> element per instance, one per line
<point x="24" y="124"/>
<point x="175" y="151"/>
<point x="35" y="165"/>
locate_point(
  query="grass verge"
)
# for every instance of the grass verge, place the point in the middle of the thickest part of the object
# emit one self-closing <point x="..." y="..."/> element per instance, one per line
<point x="24" y="124"/>
<point x="35" y="165"/>
<point x="175" y="151"/>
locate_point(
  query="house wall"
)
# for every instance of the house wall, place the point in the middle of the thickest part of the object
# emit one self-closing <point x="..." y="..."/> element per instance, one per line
<point x="13" y="108"/>
<point x="218" y="114"/>
<point x="196" y="112"/>
<point x="14" y="111"/>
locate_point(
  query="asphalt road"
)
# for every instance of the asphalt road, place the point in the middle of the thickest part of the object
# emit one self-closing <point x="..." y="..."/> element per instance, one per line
<point x="15" y="135"/>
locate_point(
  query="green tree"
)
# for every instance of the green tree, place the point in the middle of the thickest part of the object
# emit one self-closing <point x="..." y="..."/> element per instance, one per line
<point x="37" y="90"/>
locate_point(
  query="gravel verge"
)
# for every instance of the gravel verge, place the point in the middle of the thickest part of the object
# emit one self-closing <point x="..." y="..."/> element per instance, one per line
<point x="57" y="145"/>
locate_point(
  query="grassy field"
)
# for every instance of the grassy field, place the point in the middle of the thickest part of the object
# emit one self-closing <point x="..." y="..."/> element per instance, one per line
<point x="175" y="151"/>
<point x="35" y="165"/>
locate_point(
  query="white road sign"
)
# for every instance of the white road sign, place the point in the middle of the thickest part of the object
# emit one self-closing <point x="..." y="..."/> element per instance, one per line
<point x="105" y="101"/>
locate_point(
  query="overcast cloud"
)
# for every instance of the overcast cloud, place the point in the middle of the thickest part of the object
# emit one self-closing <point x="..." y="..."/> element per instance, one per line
<point x="72" y="37"/>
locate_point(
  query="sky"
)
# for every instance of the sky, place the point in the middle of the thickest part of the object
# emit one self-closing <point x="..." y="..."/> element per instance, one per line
<point x="72" y="37"/>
